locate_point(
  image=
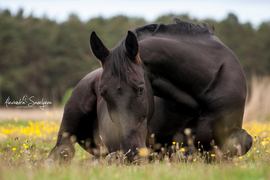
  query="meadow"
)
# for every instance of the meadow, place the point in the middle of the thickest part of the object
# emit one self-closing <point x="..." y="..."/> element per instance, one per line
<point x="25" y="144"/>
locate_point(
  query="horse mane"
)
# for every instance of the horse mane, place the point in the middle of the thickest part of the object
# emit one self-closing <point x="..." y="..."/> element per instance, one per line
<point x="121" y="64"/>
<point x="178" y="28"/>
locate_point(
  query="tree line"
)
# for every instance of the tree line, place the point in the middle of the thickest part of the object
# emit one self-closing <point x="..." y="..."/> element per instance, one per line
<point x="44" y="58"/>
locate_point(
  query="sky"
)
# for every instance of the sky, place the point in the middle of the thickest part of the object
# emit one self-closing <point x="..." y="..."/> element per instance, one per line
<point x="254" y="11"/>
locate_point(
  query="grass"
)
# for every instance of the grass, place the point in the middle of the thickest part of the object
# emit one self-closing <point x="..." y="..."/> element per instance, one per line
<point x="25" y="144"/>
<point x="150" y="171"/>
<point x="259" y="100"/>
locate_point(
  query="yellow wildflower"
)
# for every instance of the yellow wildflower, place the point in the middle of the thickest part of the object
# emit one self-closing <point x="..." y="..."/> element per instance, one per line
<point x="37" y="129"/>
<point x="143" y="152"/>
<point x="25" y="146"/>
<point x="264" y="142"/>
<point x="240" y="157"/>
<point x="182" y="149"/>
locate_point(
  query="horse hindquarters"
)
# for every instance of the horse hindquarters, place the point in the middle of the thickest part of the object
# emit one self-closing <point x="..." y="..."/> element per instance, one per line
<point x="222" y="112"/>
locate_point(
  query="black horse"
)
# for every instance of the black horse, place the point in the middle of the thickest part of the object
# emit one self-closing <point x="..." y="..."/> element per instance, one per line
<point x="198" y="80"/>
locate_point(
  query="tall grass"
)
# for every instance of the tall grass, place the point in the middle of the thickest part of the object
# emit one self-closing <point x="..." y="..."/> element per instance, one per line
<point x="258" y="103"/>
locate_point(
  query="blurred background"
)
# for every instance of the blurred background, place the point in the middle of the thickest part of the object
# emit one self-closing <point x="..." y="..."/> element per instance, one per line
<point x="44" y="45"/>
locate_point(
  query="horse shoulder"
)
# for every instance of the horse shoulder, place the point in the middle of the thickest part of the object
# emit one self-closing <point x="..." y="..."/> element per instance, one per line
<point x="84" y="95"/>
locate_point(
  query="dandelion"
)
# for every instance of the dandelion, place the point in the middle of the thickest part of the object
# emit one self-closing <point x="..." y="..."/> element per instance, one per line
<point x="264" y="142"/>
<point x="143" y="152"/>
<point x="25" y="146"/>
<point x="240" y="157"/>
<point x="182" y="150"/>
<point x="38" y="129"/>
<point x="14" y="149"/>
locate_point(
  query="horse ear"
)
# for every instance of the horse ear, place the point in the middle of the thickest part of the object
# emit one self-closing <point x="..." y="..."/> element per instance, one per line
<point x="98" y="48"/>
<point x="131" y="45"/>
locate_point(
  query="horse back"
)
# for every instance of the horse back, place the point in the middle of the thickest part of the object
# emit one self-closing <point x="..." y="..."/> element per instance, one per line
<point x="194" y="64"/>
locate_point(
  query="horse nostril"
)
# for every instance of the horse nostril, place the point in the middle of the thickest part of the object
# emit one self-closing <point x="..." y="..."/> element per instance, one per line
<point x="103" y="93"/>
<point x="119" y="89"/>
<point x="140" y="91"/>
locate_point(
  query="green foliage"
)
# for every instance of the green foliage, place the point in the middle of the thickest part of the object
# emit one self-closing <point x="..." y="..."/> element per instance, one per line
<point x="43" y="58"/>
<point x="159" y="171"/>
<point x="66" y="96"/>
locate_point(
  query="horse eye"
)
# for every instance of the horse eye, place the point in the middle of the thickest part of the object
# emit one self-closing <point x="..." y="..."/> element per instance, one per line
<point x="119" y="89"/>
<point x="140" y="91"/>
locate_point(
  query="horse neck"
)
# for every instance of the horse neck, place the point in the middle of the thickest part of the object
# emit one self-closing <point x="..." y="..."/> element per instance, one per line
<point x="150" y="96"/>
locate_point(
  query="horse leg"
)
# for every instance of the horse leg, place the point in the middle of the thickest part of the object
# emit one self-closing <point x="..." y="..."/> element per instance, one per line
<point x="224" y="130"/>
<point x="85" y="135"/>
<point x="75" y="127"/>
<point x="228" y="132"/>
<point x="203" y="133"/>
<point x="67" y="136"/>
<point x="77" y="124"/>
<point x="237" y="143"/>
<point x="64" y="149"/>
<point x="163" y="88"/>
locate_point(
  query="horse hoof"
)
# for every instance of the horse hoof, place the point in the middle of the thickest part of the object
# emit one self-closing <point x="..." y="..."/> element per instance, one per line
<point x="237" y="144"/>
<point x="61" y="154"/>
